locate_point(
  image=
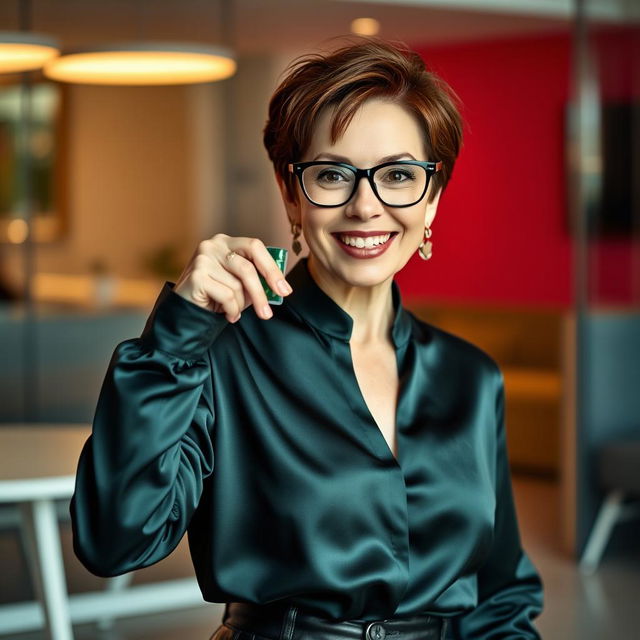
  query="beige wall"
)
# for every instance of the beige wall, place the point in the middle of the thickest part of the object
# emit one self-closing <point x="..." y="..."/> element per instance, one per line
<point x="150" y="166"/>
<point x="126" y="178"/>
<point x="142" y="172"/>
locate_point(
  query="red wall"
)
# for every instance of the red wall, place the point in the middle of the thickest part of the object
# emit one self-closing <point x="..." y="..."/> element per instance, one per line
<point x="500" y="235"/>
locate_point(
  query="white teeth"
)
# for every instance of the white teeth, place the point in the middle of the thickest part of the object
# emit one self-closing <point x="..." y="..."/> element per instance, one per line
<point x="360" y="243"/>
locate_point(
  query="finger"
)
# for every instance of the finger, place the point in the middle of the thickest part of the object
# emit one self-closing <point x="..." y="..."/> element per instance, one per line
<point x="207" y="268"/>
<point x="229" y="280"/>
<point x="245" y="270"/>
<point x="256" y="251"/>
<point x="217" y="297"/>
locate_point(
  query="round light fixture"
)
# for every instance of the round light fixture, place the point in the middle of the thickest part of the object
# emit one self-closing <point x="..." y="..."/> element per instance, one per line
<point x="365" y="26"/>
<point x="143" y="63"/>
<point x="21" y="51"/>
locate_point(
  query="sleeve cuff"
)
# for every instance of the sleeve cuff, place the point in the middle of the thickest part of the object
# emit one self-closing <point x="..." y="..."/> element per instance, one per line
<point x="180" y="327"/>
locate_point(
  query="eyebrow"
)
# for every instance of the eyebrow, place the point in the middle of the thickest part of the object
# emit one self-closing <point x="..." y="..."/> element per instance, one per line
<point x="336" y="158"/>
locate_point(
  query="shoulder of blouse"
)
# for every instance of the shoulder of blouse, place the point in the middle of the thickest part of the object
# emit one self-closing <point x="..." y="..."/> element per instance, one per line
<point x="455" y="346"/>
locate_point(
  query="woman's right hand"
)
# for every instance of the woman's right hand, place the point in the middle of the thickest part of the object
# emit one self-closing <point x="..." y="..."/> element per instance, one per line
<point x="222" y="276"/>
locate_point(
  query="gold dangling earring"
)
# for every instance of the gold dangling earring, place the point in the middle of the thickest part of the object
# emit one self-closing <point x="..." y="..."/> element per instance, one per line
<point x="424" y="250"/>
<point x="295" y="244"/>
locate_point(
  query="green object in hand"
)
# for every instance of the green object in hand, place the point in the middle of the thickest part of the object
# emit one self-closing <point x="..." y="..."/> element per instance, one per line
<point x="280" y="256"/>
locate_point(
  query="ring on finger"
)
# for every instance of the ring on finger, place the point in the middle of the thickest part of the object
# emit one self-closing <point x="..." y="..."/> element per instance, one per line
<point x="230" y="255"/>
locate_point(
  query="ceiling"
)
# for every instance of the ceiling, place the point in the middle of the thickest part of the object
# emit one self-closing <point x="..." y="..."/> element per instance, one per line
<point x="278" y="25"/>
<point x="285" y="25"/>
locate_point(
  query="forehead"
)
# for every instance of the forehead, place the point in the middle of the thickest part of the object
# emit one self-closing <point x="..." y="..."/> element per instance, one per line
<point x="379" y="128"/>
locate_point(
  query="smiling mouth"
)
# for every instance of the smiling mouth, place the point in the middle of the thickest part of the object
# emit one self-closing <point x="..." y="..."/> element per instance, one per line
<point x="364" y="243"/>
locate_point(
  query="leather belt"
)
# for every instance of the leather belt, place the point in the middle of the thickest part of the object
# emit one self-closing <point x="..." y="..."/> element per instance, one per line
<point x="280" y="621"/>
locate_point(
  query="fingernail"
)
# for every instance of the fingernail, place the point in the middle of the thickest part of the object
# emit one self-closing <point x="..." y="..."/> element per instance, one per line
<point x="236" y="318"/>
<point x="284" y="287"/>
<point x="266" y="311"/>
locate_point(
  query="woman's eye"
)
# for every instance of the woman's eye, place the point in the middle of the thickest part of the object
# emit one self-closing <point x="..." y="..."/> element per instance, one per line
<point x="398" y="175"/>
<point x="331" y="176"/>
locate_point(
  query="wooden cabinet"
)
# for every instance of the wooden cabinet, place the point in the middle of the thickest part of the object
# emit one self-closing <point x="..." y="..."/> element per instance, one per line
<point x="527" y="344"/>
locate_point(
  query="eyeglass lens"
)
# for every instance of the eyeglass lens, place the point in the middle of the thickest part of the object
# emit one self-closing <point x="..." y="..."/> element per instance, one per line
<point x="396" y="185"/>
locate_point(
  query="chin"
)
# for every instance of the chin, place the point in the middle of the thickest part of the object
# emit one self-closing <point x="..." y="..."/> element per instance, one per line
<point x="365" y="275"/>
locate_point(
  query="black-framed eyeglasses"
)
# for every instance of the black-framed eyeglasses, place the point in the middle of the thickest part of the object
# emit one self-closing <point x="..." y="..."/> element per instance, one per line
<point x="400" y="183"/>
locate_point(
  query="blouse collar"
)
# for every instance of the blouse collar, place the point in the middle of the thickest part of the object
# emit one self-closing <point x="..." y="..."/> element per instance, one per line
<point x="320" y="310"/>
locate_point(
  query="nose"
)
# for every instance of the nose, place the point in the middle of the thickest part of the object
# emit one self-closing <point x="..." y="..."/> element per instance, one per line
<point x="364" y="203"/>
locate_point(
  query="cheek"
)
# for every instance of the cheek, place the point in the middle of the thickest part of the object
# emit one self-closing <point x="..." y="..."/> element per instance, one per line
<point x="311" y="225"/>
<point x="414" y="238"/>
<point x="415" y="224"/>
<point x="413" y="233"/>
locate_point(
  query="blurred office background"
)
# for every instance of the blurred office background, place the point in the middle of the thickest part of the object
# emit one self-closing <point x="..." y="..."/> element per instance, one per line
<point x="106" y="190"/>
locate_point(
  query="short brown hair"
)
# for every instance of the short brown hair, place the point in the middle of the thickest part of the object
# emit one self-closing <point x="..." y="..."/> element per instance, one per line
<point x="345" y="79"/>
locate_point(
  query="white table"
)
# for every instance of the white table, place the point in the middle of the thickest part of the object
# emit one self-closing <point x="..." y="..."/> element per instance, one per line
<point x="37" y="470"/>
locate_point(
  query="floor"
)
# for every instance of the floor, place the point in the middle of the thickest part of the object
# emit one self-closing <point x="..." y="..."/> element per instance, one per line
<point x="598" y="607"/>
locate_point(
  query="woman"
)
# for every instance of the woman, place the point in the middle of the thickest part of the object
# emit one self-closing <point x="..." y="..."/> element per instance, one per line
<point x="340" y="466"/>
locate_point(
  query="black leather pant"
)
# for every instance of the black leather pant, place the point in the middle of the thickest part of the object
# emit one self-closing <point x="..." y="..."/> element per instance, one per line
<point x="244" y="621"/>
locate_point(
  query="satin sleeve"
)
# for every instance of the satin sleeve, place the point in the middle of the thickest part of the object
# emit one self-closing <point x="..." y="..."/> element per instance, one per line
<point x="510" y="590"/>
<point x="140" y="473"/>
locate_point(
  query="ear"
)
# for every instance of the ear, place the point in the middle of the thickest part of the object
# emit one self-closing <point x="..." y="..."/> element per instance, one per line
<point x="431" y="209"/>
<point x="292" y="206"/>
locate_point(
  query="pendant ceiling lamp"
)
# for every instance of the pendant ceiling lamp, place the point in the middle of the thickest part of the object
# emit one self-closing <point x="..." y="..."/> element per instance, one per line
<point x="21" y="51"/>
<point x="143" y="63"/>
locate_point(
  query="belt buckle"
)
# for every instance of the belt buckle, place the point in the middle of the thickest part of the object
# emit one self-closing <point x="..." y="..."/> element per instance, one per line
<point x="375" y="631"/>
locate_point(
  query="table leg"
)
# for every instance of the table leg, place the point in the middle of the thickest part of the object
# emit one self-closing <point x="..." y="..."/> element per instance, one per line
<point x="118" y="583"/>
<point x="45" y="550"/>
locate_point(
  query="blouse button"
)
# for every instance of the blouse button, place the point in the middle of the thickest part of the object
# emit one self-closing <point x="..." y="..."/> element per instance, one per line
<point x="375" y="631"/>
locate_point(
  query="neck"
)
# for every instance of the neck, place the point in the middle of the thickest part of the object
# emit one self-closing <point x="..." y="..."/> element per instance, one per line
<point x="371" y="308"/>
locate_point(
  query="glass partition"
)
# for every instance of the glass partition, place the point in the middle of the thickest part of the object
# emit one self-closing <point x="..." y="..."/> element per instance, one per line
<point x="605" y="174"/>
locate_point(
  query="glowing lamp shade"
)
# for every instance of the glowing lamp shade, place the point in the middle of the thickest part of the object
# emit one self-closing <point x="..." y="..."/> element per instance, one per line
<point x="25" y="51"/>
<point x="143" y="64"/>
<point x="365" y="26"/>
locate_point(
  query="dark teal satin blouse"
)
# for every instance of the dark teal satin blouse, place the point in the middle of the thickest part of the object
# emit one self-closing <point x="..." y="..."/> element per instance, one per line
<point x="254" y="438"/>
